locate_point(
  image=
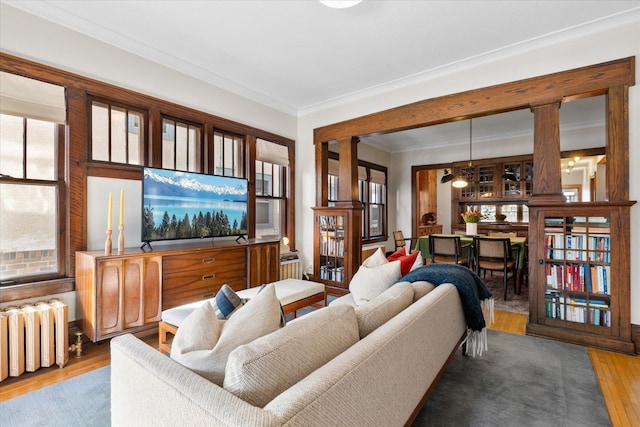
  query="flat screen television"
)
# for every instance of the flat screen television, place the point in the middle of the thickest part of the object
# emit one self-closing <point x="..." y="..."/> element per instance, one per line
<point x="187" y="205"/>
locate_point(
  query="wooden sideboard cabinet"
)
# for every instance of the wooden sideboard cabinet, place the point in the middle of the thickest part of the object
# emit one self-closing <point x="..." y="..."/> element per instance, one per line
<point x="118" y="293"/>
<point x="126" y="292"/>
<point x="425" y="230"/>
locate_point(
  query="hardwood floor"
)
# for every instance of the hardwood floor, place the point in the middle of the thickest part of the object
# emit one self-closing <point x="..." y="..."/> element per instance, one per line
<point x="618" y="374"/>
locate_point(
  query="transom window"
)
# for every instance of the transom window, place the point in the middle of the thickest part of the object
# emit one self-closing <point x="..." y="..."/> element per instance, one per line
<point x="117" y="133"/>
<point x="227" y="154"/>
<point x="181" y="146"/>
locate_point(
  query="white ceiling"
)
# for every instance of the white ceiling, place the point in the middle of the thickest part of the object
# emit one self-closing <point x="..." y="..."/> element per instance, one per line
<point x="298" y="56"/>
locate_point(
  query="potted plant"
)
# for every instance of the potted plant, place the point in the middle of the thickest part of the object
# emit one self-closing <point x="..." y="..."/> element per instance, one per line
<point x="472" y="218"/>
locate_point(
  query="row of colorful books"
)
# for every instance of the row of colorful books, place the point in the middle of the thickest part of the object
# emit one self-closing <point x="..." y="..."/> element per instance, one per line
<point x="335" y="274"/>
<point x="576" y="309"/>
<point x="579" y="278"/>
<point x="332" y="247"/>
<point x="332" y="220"/>
<point x="576" y="247"/>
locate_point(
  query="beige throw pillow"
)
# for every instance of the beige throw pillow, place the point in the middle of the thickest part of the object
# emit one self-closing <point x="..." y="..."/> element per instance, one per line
<point x="368" y="282"/>
<point x="203" y="342"/>
<point x="259" y="371"/>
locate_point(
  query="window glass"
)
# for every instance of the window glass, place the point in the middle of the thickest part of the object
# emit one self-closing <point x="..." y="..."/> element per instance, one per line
<point x="29" y="207"/>
<point x="270" y="200"/>
<point x="227" y="154"/>
<point x="181" y="144"/>
<point x="116" y="133"/>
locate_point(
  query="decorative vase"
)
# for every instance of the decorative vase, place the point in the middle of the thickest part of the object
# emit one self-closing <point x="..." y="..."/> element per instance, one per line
<point x="472" y="228"/>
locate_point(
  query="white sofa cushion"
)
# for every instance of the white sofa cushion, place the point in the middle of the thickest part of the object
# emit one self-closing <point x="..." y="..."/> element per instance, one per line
<point x="203" y="342"/>
<point x="421" y="288"/>
<point x="383" y="307"/>
<point x="259" y="371"/>
<point x="369" y="282"/>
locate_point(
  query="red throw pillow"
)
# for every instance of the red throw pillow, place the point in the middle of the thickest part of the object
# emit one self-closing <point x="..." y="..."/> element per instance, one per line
<point x="406" y="261"/>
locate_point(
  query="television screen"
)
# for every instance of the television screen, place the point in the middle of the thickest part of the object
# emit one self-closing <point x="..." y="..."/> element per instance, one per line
<point x="186" y="205"/>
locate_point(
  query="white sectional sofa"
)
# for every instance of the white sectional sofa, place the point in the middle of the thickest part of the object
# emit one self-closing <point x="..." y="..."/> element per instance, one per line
<point x="388" y="355"/>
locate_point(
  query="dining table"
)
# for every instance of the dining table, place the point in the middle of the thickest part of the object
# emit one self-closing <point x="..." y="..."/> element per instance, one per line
<point x="519" y="243"/>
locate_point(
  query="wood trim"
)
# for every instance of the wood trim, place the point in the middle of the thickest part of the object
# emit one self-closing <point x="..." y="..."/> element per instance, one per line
<point x="37" y="289"/>
<point x="586" y="81"/>
<point x="635" y="336"/>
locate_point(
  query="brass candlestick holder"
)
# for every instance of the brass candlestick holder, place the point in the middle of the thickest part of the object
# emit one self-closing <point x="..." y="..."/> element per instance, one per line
<point x="121" y="239"/>
<point x="107" y="244"/>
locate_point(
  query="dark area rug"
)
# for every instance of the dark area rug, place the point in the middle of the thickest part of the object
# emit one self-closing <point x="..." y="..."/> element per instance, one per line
<point x="520" y="381"/>
<point x="515" y="303"/>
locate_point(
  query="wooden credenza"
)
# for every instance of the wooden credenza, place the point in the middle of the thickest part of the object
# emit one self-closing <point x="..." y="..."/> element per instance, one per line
<point x="126" y="292"/>
<point x="425" y="230"/>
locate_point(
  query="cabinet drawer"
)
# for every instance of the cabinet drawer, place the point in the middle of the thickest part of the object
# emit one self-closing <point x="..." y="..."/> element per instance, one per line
<point x="195" y="276"/>
<point x="199" y="260"/>
<point x="198" y="291"/>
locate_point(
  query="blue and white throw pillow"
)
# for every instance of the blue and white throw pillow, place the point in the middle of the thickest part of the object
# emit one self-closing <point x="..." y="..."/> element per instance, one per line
<point x="227" y="302"/>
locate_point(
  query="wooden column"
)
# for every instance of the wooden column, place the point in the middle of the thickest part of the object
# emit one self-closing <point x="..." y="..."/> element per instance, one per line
<point x="617" y="144"/>
<point x="322" y="172"/>
<point x="547" y="185"/>
<point x="348" y="177"/>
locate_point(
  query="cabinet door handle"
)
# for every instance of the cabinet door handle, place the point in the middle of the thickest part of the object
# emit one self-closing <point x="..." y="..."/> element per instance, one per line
<point x="208" y="276"/>
<point x="210" y="259"/>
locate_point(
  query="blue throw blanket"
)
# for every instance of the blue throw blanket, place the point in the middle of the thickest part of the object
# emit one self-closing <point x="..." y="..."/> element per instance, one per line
<point x="474" y="295"/>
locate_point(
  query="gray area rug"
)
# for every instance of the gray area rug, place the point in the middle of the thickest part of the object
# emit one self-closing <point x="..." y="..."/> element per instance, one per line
<point x="520" y="381"/>
<point x="84" y="400"/>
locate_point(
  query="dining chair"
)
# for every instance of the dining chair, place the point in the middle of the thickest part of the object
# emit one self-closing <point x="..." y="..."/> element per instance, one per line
<point x="401" y="241"/>
<point x="496" y="254"/>
<point x="449" y="250"/>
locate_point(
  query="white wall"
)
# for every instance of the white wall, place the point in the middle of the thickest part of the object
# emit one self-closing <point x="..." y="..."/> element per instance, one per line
<point x="559" y="53"/>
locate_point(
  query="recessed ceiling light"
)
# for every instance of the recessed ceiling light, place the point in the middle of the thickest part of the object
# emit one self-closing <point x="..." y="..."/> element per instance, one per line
<point x="340" y="4"/>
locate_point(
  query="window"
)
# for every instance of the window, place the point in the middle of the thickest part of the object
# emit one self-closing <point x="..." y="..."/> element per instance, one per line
<point x="32" y="191"/>
<point x="227" y="154"/>
<point x="271" y="189"/>
<point x="181" y="146"/>
<point x="372" y="186"/>
<point x="117" y="133"/>
<point x="515" y="212"/>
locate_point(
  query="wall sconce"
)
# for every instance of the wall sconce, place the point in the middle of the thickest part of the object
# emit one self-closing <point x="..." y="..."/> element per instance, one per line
<point x="284" y="245"/>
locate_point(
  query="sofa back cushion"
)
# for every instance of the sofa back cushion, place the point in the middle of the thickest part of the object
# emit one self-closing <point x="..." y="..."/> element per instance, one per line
<point x="383" y="307"/>
<point x="203" y="342"/>
<point x="259" y="371"/>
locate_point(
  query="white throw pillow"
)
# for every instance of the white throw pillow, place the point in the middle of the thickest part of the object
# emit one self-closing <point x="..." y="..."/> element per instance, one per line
<point x="369" y="282"/>
<point x="376" y="259"/>
<point x="203" y="342"/>
<point x="259" y="371"/>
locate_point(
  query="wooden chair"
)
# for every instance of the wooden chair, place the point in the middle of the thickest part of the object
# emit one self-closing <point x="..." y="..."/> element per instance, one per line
<point x="401" y="241"/>
<point x="495" y="254"/>
<point x="448" y="250"/>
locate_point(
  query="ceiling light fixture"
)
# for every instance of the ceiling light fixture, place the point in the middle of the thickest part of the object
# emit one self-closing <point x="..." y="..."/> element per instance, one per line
<point x="340" y="4"/>
<point x="446" y="177"/>
<point x="462" y="182"/>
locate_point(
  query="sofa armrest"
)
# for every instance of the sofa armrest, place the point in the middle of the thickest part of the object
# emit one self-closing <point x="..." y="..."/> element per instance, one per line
<point x="149" y="388"/>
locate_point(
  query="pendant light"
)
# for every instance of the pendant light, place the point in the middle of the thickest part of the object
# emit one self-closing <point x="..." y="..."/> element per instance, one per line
<point x="446" y="177"/>
<point x="461" y="181"/>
